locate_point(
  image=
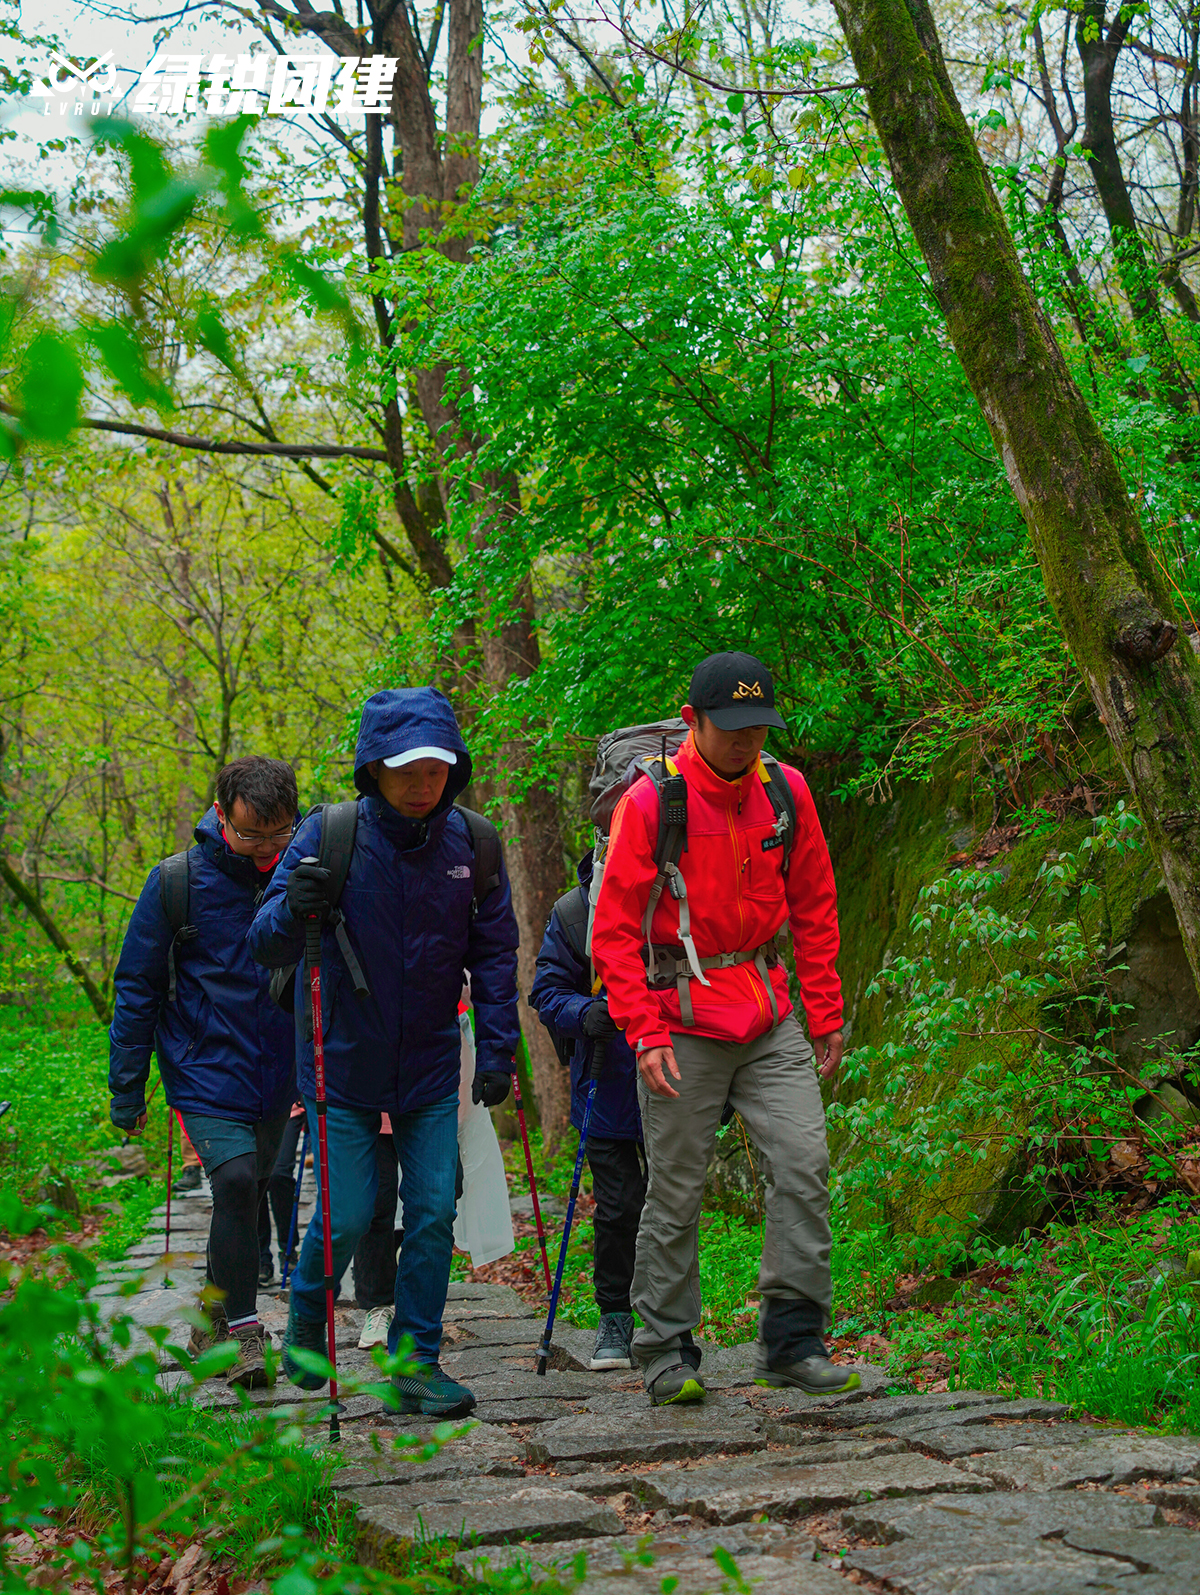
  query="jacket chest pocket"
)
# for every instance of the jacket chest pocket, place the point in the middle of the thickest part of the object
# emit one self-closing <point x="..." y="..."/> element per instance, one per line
<point x="762" y="867"/>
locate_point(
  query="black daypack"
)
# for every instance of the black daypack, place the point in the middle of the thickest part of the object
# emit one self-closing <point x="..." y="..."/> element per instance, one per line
<point x="174" y="894"/>
<point x="572" y="911"/>
<point x="338" y="829"/>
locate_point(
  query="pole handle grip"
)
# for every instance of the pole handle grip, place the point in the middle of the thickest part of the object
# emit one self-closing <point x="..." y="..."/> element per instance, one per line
<point x="599" y="1057"/>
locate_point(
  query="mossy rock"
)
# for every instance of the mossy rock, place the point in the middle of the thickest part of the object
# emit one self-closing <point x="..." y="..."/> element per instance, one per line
<point x="883" y="855"/>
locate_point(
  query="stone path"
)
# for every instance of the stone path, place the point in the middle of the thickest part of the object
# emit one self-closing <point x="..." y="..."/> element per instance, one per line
<point x="578" y="1477"/>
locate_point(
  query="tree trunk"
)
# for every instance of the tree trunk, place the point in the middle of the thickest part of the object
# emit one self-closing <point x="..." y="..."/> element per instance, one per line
<point x="1112" y="603"/>
<point x="1098" y="54"/>
<point x="55" y="937"/>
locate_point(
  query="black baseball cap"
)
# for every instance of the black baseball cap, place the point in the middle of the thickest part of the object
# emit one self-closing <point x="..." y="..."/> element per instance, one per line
<point x="735" y="690"/>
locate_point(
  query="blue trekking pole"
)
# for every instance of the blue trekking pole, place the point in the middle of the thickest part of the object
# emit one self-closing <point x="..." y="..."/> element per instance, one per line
<point x="598" y="1051"/>
<point x="291" y="1240"/>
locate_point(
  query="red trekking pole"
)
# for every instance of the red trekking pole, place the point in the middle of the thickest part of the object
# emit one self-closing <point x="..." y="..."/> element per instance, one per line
<point x="523" y="1052"/>
<point x="312" y="957"/>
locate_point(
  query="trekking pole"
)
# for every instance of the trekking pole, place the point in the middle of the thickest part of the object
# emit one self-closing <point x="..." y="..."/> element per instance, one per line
<point x="598" y="1051"/>
<point x="312" y="951"/>
<point x="291" y="1240"/>
<point x="170" y="1150"/>
<point x="523" y="1053"/>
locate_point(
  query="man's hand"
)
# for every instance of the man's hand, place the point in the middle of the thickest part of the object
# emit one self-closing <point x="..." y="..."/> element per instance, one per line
<point x="828" y="1050"/>
<point x="131" y="1120"/>
<point x="598" y="1023"/>
<point x="653" y="1065"/>
<point x="306" y="890"/>
<point x="490" y="1086"/>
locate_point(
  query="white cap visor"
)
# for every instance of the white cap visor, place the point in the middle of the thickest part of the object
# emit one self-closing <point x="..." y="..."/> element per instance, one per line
<point x="413" y="754"/>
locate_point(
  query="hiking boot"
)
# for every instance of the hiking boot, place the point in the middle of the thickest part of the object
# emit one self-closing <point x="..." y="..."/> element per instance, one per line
<point x="250" y="1371"/>
<point x="815" y="1375"/>
<point x="613" y="1341"/>
<point x="680" y="1383"/>
<point x="202" y="1340"/>
<point x="375" y="1329"/>
<point x="187" y="1180"/>
<point x="309" y="1335"/>
<point x="432" y="1394"/>
<point x="266" y="1271"/>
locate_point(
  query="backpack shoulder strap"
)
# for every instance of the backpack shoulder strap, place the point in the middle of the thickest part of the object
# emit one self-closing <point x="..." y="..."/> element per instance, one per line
<point x="485" y="844"/>
<point x="572" y="911"/>
<point x="339" y="826"/>
<point x="671" y="786"/>
<point x="783" y="800"/>
<point x="174" y="893"/>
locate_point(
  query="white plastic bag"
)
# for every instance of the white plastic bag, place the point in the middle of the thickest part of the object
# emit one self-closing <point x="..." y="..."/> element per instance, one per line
<point x="483" y="1225"/>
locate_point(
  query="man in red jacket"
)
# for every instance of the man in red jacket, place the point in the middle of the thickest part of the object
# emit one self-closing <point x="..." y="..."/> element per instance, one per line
<point x="720" y="1026"/>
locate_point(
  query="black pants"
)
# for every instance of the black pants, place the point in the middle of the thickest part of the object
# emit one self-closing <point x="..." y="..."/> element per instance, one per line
<point x="619" y="1186"/>
<point x="375" y="1254"/>
<point x="280" y="1194"/>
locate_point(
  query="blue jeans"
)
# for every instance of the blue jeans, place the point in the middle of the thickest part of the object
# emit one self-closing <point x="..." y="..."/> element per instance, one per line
<point x="427" y="1150"/>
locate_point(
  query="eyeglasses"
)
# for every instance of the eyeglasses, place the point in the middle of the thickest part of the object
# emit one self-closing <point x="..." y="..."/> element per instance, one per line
<point x="276" y="838"/>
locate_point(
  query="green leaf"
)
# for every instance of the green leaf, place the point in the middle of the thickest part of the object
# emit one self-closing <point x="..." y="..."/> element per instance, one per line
<point x="736" y="102"/>
<point x="125" y="361"/>
<point x="51" y="387"/>
<point x="210" y="334"/>
<point x="295" y="1582"/>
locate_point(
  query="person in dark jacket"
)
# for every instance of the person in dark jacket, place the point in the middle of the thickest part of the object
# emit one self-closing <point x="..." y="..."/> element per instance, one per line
<point x="226" y="1053"/>
<point x="562" y="995"/>
<point x="413" y="924"/>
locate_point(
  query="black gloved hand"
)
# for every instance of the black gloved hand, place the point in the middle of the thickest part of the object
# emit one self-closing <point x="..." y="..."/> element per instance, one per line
<point x="490" y="1087"/>
<point x="306" y="889"/>
<point x="727" y="1112"/>
<point x="126" y="1118"/>
<point x="598" y="1023"/>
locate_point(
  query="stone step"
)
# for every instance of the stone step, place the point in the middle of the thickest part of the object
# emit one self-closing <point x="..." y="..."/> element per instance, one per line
<point x="768" y="1559"/>
<point x="661" y="1434"/>
<point x="971" y="1439"/>
<point x="1106" y="1458"/>
<point x="389" y="1521"/>
<point x="736" y="1495"/>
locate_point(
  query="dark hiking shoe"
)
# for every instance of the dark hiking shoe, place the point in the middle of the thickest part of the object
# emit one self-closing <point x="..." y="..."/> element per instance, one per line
<point x="187" y="1180"/>
<point x="251" y="1370"/>
<point x="308" y="1334"/>
<point x="202" y="1340"/>
<point x="816" y="1375"/>
<point x="432" y="1394"/>
<point x="613" y="1341"/>
<point x="681" y="1383"/>
<point x="266" y="1271"/>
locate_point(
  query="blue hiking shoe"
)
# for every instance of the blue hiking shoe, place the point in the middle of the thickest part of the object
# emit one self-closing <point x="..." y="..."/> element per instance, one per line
<point x="309" y="1334"/>
<point x="432" y="1394"/>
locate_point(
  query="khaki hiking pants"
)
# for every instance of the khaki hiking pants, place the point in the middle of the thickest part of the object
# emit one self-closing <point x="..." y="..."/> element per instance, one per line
<point x="772" y="1083"/>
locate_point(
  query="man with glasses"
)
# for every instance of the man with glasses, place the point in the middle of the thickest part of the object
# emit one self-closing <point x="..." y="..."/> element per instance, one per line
<point x="187" y="989"/>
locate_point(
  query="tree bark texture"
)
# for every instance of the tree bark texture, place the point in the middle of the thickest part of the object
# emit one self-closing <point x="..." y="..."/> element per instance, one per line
<point x="1110" y="598"/>
<point x="437" y="167"/>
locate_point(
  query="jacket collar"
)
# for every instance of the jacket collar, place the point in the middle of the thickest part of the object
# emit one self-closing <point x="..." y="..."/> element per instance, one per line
<point x="243" y="870"/>
<point x="703" y="779"/>
<point x="405" y="834"/>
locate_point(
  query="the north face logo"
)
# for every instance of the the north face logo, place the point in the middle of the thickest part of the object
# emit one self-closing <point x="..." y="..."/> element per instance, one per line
<point x="460" y="872"/>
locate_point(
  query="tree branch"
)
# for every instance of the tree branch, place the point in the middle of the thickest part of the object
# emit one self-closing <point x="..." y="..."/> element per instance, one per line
<point x="28" y="901"/>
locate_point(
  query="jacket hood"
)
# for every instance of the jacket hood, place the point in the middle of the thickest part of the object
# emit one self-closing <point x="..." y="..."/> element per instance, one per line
<point x="402" y="718"/>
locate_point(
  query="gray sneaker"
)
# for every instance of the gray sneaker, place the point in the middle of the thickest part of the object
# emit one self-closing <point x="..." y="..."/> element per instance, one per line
<point x="816" y="1376"/>
<point x="680" y="1383"/>
<point x="613" y="1339"/>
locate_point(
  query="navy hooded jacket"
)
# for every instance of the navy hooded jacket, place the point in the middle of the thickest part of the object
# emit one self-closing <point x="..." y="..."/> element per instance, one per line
<point x="562" y="994"/>
<point x="410" y="916"/>
<point x="224" y="1048"/>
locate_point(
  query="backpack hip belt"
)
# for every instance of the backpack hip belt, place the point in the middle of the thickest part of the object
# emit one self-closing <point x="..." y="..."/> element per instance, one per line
<point x="667" y="969"/>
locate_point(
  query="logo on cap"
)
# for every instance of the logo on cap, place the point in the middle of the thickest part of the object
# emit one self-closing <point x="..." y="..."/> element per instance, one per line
<point x="743" y="691"/>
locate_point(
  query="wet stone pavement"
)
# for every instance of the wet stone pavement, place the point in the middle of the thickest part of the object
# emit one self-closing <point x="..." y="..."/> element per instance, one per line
<point x="576" y="1476"/>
